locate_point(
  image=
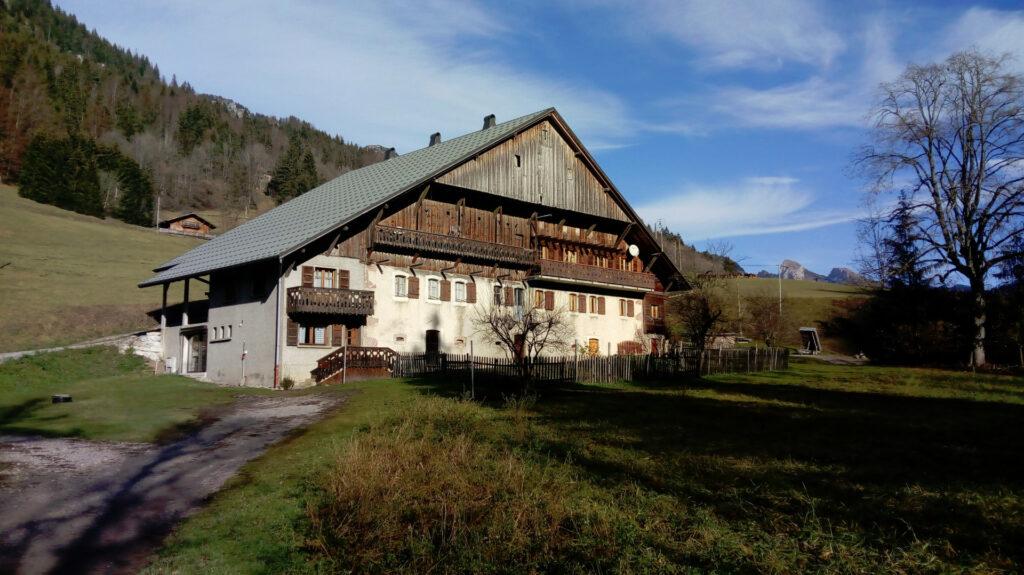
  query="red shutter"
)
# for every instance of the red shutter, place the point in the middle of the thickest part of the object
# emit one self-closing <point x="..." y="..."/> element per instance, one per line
<point x="446" y="290"/>
<point x="508" y="300"/>
<point x="307" y="276"/>
<point x="343" y="279"/>
<point x="549" y="300"/>
<point x="293" y="333"/>
<point x="471" y="292"/>
<point x="600" y="305"/>
<point x="414" y="287"/>
<point x="337" y="334"/>
<point x="630" y="311"/>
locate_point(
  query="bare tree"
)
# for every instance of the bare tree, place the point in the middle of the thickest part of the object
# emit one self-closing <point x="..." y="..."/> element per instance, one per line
<point x="948" y="140"/>
<point x="764" y="318"/>
<point x="699" y="313"/>
<point x="525" y="332"/>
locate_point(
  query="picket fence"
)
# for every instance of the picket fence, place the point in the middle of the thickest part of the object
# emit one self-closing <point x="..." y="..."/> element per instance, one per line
<point x="600" y="369"/>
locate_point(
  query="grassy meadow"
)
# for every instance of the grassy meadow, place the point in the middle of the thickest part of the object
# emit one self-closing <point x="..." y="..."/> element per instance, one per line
<point x="68" y="277"/>
<point x="116" y="397"/>
<point x="831" y="469"/>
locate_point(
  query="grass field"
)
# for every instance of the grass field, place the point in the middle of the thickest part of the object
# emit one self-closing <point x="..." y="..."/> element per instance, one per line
<point x="806" y="303"/>
<point x="819" y="469"/>
<point x="116" y="397"/>
<point x="68" y="277"/>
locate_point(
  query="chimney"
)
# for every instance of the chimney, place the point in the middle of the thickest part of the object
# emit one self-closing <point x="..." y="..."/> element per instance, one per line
<point x="390" y="153"/>
<point x="489" y="121"/>
<point x="435" y="138"/>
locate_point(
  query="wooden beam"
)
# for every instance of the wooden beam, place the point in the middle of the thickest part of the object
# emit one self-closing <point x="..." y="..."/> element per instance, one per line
<point x="590" y="230"/>
<point x="199" y="279"/>
<point x="419" y="205"/>
<point x="653" y="259"/>
<point x="622" y="235"/>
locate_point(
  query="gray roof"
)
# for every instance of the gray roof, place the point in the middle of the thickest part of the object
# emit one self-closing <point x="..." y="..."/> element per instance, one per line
<point x="333" y="204"/>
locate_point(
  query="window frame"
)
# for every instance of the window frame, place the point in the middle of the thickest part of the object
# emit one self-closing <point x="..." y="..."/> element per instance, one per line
<point x="402" y="279"/>
<point x="456" y="285"/>
<point x="434" y="283"/>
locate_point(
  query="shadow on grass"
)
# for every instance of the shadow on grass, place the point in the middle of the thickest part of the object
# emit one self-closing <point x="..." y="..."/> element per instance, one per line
<point x="24" y="419"/>
<point x="893" y="470"/>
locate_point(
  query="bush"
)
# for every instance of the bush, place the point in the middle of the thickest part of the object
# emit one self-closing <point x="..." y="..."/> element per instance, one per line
<point x="287" y="383"/>
<point x="427" y="492"/>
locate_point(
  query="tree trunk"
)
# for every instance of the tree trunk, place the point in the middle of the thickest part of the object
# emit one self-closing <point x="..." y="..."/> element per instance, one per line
<point x="978" y="350"/>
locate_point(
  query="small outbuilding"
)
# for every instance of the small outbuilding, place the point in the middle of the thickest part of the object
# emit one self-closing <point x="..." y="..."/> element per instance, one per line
<point x="190" y="224"/>
<point x="809" y="340"/>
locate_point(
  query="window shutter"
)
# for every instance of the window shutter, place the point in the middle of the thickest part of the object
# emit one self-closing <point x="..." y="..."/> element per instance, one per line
<point x="582" y="307"/>
<point x="414" y="287"/>
<point x="600" y="306"/>
<point x="307" y="276"/>
<point x="293" y="333"/>
<point x="471" y="292"/>
<point x="549" y="300"/>
<point x="343" y="279"/>
<point x="508" y="298"/>
<point x="337" y="335"/>
<point x="353" y="336"/>
<point x="446" y="290"/>
<point x="630" y="311"/>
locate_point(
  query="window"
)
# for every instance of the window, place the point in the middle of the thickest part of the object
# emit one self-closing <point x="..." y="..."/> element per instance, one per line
<point x="352" y="337"/>
<point x="323" y="278"/>
<point x="655" y="311"/>
<point x="538" y="298"/>
<point x="401" y="286"/>
<point x="434" y="289"/>
<point x="460" y="291"/>
<point x="593" y="304"/>
<point x="312" y="335"/>
<point x="497" y="294"/>
<point x="573" y="300"/>
<point x="216" y="333"/>
<point x="520" y="297"/>
<point x="228" y="336"/>
<point x="622" y="307"/>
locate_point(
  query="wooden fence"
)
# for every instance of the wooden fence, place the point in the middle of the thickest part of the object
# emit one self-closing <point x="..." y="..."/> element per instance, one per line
<point x="600" y="369"/>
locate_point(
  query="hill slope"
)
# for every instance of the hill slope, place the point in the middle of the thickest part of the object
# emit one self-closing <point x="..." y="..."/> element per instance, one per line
<point x="68" y="277"/>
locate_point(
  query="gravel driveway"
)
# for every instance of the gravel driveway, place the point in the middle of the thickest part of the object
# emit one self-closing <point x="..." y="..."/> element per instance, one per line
<point x="74" y="506"/>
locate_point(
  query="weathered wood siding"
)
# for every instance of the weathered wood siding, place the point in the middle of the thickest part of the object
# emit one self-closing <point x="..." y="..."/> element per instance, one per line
<point x="540" y="167"/>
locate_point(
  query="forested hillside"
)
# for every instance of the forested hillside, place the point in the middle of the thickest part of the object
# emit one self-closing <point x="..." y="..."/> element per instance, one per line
<point x="92" y="127"/>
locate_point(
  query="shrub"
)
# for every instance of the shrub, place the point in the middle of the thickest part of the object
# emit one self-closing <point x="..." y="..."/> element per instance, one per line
<point x="287" y="383"/>
<point x="426" y="492"/>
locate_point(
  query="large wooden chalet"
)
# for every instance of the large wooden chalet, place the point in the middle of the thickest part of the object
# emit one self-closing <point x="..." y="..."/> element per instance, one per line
<point x="394" y="257"/>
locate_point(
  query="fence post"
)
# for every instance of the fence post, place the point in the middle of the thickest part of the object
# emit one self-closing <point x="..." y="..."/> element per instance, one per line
<point x="472" y="374"/>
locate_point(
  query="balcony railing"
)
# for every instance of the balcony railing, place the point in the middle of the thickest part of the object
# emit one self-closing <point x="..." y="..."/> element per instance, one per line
<point x="451" y="246"/>
<point x="594" y="274"/>
<point x="655" y="325"/>
<point x="330" y="301"/>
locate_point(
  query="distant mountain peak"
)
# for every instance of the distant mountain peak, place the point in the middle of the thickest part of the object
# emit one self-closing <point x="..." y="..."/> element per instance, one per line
<point x="794" y="270"/>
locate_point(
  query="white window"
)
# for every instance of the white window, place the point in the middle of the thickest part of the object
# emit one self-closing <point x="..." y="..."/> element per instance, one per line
<point x="216" y="333"/>
<point x="497" y="295"/>
<point x="228" y="336"/>
<point x="434" y="289"/>
<point x="460" y="291"/>
<point x="401" y="286"/>
<point x="323" y="278"/>
<point x="520" y="297"/>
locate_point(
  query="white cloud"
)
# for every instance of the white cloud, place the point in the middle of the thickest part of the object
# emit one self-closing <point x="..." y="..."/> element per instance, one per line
<point x="752" y="206"/>
<point x="744" y="33"/>
<point x="374" y="72"/>
<point x="993" y="31"/>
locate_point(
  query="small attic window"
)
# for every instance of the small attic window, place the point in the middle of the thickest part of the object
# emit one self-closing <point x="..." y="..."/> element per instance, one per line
<point x="519" y="161"/>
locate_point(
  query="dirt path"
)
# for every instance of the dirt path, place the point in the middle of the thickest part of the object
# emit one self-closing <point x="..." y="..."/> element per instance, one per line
<point x="73" y="506"/>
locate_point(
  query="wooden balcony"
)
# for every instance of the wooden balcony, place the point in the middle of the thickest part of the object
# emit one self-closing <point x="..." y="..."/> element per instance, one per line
<point x="450" y="247"/>
<point x="550" y="269"/>
<point x="334" y="301"/>
<point x="655" y="325"/>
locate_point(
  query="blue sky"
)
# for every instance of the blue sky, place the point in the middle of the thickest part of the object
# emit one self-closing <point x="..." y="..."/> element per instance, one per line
<point x="721" y="119"/>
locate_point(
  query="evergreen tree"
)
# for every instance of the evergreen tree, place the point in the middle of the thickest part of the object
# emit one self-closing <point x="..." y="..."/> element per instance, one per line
<point x="903" y="250"/>
<point x="62" y="172"/>
<point x="295" y="173"/>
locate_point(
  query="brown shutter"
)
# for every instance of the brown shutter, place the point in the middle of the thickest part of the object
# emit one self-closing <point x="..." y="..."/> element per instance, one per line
<point x="337" y="335"/>
<point x="307" y="276"/>
<point x="414" y="287"/>
<point x="549" y="300"/>
<point x="600" y="305"/>
<point x="630" y="311"/>
<point x="508" y="300"/>
<point x="471" y="292"/>
<point x="293" y="333"/>
<point x="446" y="290"/>
<point x="353" y="336"/>
<point x="343" y="279"/>
<point x="582" y="307"/>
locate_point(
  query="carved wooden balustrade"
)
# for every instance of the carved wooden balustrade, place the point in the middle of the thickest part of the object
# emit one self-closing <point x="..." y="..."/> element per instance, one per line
<point x="594" y="274"/>
<point x="330" y="301"/>
<point x="450" y="246"/>
<point x="356" y="361"/>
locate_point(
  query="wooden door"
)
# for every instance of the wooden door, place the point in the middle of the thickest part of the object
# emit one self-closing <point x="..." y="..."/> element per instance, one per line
<point x="433" y="342"/>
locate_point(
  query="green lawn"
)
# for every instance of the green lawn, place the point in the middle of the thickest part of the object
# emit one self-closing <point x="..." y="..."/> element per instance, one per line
<point x="116" y="397"/>
<point x="822" y="469"/>
<point x="68" y="277"/>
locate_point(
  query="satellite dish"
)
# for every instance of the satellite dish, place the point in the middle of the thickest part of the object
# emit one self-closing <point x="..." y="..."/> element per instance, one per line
<point x="633" y="250"/>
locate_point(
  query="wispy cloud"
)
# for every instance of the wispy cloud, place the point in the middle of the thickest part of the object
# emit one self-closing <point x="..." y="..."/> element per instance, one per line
<point x="752" y="206"/>
<point x="993" y="31"/>
<point x="743" y="33"/>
